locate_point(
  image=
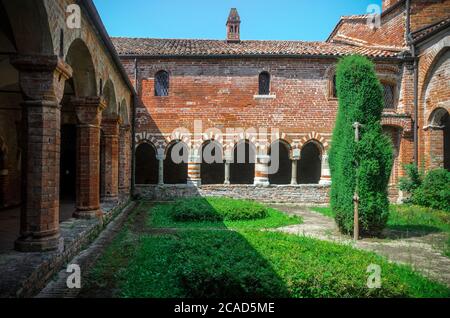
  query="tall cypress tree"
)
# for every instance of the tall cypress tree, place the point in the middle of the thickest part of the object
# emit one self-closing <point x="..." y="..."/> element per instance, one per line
<point x="370" y="161"/>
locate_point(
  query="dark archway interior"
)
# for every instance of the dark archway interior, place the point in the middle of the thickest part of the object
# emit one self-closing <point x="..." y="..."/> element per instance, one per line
<point x="68" y="163"/>
<point x="446" y="124"/>
<point x="213" y="165"/>
<point x="176" y="172"/>
<point x="284" y="173"/>
<point x="242" y="170"/>
<point x="310" y="165"/>
<point x="102" y="165"/>
<point x="146" y="165"/>
<point x="3" y="178"/>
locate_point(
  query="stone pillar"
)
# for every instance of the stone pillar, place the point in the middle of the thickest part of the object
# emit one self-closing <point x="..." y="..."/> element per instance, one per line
<point x="110" y="128"/>
<point x="294" y="172"/>
<point x="325" y="178"/>
<point x="227" y="172"/>
<point x="160" y="157"/>
<point x="42" y="80"/>
<point x="124" y="162"/>
<point x="262" y="170"/>
<point x="194" y="166"/>
<point x="88" y="110"/>
<point x="228" y="158"/>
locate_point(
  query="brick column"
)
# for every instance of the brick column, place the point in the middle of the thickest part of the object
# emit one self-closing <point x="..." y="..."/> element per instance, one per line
<point x="262" y="170"/>
<point x="325" y="178"/>
<point x="194" y="166"/>
<point x="124" y="162"/>
<point x="88" y="110"/>
<point x="110" y="128"/>
<point x="42" y="80"/>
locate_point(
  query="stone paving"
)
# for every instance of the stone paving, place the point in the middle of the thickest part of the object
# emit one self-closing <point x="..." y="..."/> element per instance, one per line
<point x="419" y="250"/>
<point x="25" y="274"/>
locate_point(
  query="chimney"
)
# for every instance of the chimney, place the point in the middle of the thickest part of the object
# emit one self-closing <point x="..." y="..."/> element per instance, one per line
<point x="233" y="26"/>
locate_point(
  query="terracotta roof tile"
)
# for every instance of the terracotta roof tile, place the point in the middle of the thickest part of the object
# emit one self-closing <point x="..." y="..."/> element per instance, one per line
<point x="185" y="47"/>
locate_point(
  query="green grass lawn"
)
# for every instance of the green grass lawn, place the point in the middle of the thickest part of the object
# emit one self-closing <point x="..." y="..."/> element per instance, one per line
<point x="200" y="261"/>
<point x="161" y="216"/>
<point x="411" y="218"/>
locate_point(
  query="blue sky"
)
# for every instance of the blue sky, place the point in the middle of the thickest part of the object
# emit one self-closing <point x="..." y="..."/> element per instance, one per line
<point x="307" y="20"/>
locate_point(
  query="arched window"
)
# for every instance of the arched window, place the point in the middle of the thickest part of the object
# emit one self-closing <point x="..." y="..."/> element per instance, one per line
<point x="162" y="83"/>
<point x="310" y="165"/>
<point x="264" y="83"/>
<point x="389" y="96"/>
<point x="334" y="87"/>
<point x="146" y="165"/>
<point x="213" y="166"/>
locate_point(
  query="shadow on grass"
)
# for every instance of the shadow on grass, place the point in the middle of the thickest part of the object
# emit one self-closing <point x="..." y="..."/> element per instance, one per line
<point x="222" y="263"/>
<point x="394" y="232"/>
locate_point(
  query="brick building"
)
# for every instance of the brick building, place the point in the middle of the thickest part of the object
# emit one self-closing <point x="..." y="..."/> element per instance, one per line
<point x="67" y="108"/>
<point x="286" y="87"/>
<point x="65" y="137"/>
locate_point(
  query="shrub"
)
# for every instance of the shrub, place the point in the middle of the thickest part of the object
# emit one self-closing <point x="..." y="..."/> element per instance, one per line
<point x="413" y="179"/>
<point x="434" y="192"/>
<point x="217" y="209"/>
<point x="360" y="100"/>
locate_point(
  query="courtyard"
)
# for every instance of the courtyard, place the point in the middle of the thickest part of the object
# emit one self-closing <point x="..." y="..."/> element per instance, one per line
<point x="292" y="252"/>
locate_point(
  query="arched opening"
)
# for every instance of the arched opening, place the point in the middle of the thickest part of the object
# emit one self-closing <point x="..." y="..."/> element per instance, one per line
<point x="446" y="124"/>
<point x="213" y="165"/>
<point x="175" y="163"/>
<point x="79" y="58"/>
<point x="242" y="169"/>
<point x="439" y="126"/>
<point x="3" y="175"/>
<point x="310" y="165"/>
<point x="68" y="155"/>
<point x="109" y="144"/>
<point x="394" y="134"/>
<point x="146" y="164"/>
<point x="102" y="182"/>
<point x="279" y="151"/>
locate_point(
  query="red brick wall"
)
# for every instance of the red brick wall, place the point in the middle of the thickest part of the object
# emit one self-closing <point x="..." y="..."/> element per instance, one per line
<point x="426" y="12"/>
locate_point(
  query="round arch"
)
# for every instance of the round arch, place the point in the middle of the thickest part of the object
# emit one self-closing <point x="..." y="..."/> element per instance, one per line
<point x="146" y="164"/>
<point x="175" y="163"/>
<point x="109" y="94"/>
<point x="242" y="169"/>
<point x="213" y="165"/>
<point x="80" y="59"/>
<point x="29" y="26"/>
<point x="124" y="113"/>
<point x="310" y="165"/>
<point x="282" y="172"/>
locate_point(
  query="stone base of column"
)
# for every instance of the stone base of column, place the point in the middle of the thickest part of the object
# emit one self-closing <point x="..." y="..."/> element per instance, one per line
<point x="88" y="214"/>
<point x="262" y="182"/>
<point x="325" y="181"/>
<point x="40" y="244"/>
<point x="110" y="199"/>
<point x="194" y="183"/>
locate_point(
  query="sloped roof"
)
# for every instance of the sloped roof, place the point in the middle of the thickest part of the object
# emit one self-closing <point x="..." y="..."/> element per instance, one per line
<point x="202" y="48"/>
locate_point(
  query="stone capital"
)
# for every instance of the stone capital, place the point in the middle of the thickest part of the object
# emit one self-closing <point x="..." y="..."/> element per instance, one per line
<point x="89" y="109"/>
<point x="42" y="77"/>
<point x="110" y="125"/>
